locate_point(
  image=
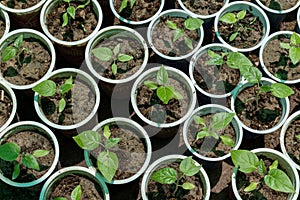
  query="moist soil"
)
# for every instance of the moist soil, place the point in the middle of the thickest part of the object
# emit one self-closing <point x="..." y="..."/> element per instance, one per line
<point x="29" y="141"/>
<point x="28" y="67"/>
<point x="79" y="28"/>
<point x="209" y="146"/>
<point x="80" y="101"/>
<point x="279" y="4"/>
<point x="142" y="9"/>
<point x="158" y="191"/>
<point x="203" y="7"/>
<point x="128" y="46"/>
<point x="250" y="31"/>
<point x="214" y="79"/>
<point x="2" y="27"/>
<point x="277" y="61"/>
<point x="17" y="4"/>
<point x="263" y="116"/>
<point x="162" y="37"/>
<point x="155" y="110"/>
<point x="130" y="151"/>
<point x="263" y="191"/>
<point x="291" y="143"/>
<point x="6" y="106"/>
<point x="65" y="186"/>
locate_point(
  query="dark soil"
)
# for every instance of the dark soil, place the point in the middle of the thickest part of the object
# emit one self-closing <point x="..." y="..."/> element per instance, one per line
<point x="17" y="4"/>
<point x="6" y="106"/>
<point x="125" y="69"/>
<point x="277" y="61"/>
<point x="250" y="31"/>
<point x="29" y="141"/>
<point x="80" y="102"/>
<point x="215" y="79"/>
<point x="261" y="117"/>
<point x="291" y="143"/>
<point x="263" y="191"/>
<point x="64" y="188"/>
<point x="157" y="191"/>
<point x="142" y="9"/>
<point x="209" y="146"/>
<point x="79" y="28"/>
<point x="32" y="67"/>
<point x="130" y="151"/>
<point x="279" y="4"/>
<point x="162" y="37"/>
<point x="2" y="27"/>
<point x="155" y="110"/>
<point x="203" y="7"/>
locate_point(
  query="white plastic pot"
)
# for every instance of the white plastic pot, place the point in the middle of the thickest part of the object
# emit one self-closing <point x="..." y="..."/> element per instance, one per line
<point x="4" y="16"/>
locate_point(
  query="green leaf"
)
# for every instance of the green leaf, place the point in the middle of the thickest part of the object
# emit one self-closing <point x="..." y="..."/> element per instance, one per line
<point x="188" y="186"/>
<point x="83" y="5"/>
<point x="10" y="72"/>
<point x="67" y="1"/>
<point x="124" y="57"/>
<point x="176" y="94"/>
<point x="215" y="59"/>
<point x="295" y="39"/>
<point x="102" y="53"/>
<point x="123" y="5"/>
<point x="221" y="120"/>
<point x="228" y="18"/>
<point x="193" y="23"/>
<point x="247" y="161"/>
<point x="188" y="42"/>
<point x="279" y="181"/>
<point x="60" y="198"/>
<point x="9" y="151"/>
<point x="114" y="68"/>
<point x="213" y="134"/>
<point x="285" y="45"/>
<point x="151" y="85"/>
<point x="64" y="88"/>
<point x="106" y="132"/>
<point x="265" y="88"/>
<point x="107" y="163"/>
<point x="262" y="170"/>
<point x="45" y="88"/>
<point x="236" y="60"/>
<point x="227" y="140"/>
<point x="165" y="176"/>
<point x="116" y="49"/>
<point x="298" y="137"/>
<point x="241" y="14"/>
<point x="171" y="24"/>
<point x="188" y="167"/>
<point x="281" y="90"/>
<point x="274" y="165"/>
<point x="61" y="105"/>
<point x="164" y="94"/>
<point x="16" y="171"/>
<point x="132" y="3"/>
<point x="18" y="42"/>
<point x="252" y="186"/>
<point x="109" y="143"/>
<point x="202" y="134"/>
<point x="233" y="36"/>
<point x="178" y="34"/>
<point x="40" y="153"/>
<point x="199" y="120"/>
<point x="71" y="11"/>
<point x="69" y="80"/>
<point x="88" y="140"/>
<point x="294" y="54"/>
<point x="65" y="19"/>
<point x="76" y="193"/>
<point x="251" y="74"/>
<point x="162" y="76"/>
<point x="8" y="53"/>
<point x="30" y="162"/>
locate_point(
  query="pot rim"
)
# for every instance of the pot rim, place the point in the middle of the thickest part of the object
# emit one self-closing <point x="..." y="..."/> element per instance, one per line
<point x="5" y="16"/>
<point x="277" y="12"/>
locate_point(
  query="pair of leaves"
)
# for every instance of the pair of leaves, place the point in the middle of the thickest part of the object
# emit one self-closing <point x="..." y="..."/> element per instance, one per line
<point x="293" y="47"/>
<point x="11" y="51"/>
<point x="231" y="18"/>
<point x="75" y="194"/>
<point x="125" y="3"/>
<point x="71" y="11"/>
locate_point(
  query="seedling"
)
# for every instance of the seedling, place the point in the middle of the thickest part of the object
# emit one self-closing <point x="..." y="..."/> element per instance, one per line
<point x="219" y="121"/>
<point x="293" y="47"/>
<point x="75" y="194"/>
<point x="276" y="179"/>
<point x="107" y="161"/>
<point x="298" y="137"/>
<point x="169" y="175"/>
<point x="231" y="18"/>
<point x="125" y="4"/>
<point x="11" y="152"/>
<point x="189" y="24"/>
<point x="49" y="88"/>
<point x="71" y="11"/>
<point x="105" y="54"/>
<point x="164" y="92"/>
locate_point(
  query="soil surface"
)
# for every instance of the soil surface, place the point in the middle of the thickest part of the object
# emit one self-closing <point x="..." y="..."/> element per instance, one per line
<point x="2" y="27"/>
<point x="158" y="191"/>
<point x="277" y="61"/>
<point x="250" y="31"/>
<point x="279" y="4"/>
<point x="209" y="146"/>
<point x="130" y="151"/>
<point x="6" y="106"/>
<point x="155" y="110"/>
<point x="215" y="79"/>
<point x="17" y="4"/>
<point x="263" y="116"/>
<point x="80" y="102"/>
<point x="29" y="66"/>
<point x="162" y="37"/>
<point x="142" y="9"/>
<point x="65" y="186"/>
<point x="29" y="141"/>
<point x="291" y="143"/>
<point x="203" y="7"/>
<point x="79" y="28"/>
<point x="129" y="47"/>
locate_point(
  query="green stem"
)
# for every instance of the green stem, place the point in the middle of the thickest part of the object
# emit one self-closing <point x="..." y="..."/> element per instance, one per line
<point x="177" y="184"/>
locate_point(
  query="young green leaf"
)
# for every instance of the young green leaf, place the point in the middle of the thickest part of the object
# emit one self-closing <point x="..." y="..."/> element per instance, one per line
<point x="71" y="11"/>
<point x="106" y="132"/>
<point x="285" y="45"/>
<point x="165" y="94"/>
<point x="88" y="140"/>
<point x="18" y="42"/>
<point x="76" y="193"/>
<point x="221" y="120"/>
<point x="233" y="36"/>
<point x="193" y="23"/>
<point x="165" y="176"/>
<point x="294" y="54"/>
<point x="114" y="68"/>
<point x="215" y="59"/>
<point x="251" y="74"/>
<point x="162" y="76"/>
<point x="9" y="151"/>
<point x="65" y="19"/>
<point x="188" y="186"/>
<point x="60" y="198"/>
<point x="124" y="57"/>
<point x="132" y="3"/>
<point x="171" y="24"/>
<point x="178" y="34"/>
<point x="109" y="143"/>
<point x="16" y="171"/>
<point x="151" y="85"/>
<point x="176" y="94"/>
<point x="45" y="88"/>
<point x="252" y="186"/>
<point x="281" y="90"/>
<point x="40" y="153"/>
<point x="241" y="14"/>
<point x="69" y="81"/>
<point x="188" y="166"/>
<point x="202" y="134"/>
<point x="265" y="88"/>
<point x="295" y="39"/>
<point x="298" y="137"/>
<point x="123" y="5"/>
<point x="188" y="42"/>
<point x="30" y="162"/>
<point x="102" y="53"/>
<point x="213" y="134"/>
<point x="228" y="18"/>
<point x="236" y="59"/>
<point x="83" y="5"/>
<point x="107" y="163"/>
<point x="199" y="120"/>
<point x="227" y="140"/>
<point x="8" y="53"/>
<point x="64" y="88"/>
<point x="274" y="165"/>
<point x="262" y="170"/>
<point x="116" y="49"/>
<point x="279" y="181"/>
<point x="61" y="105"/>
<point x="247" y="161"/>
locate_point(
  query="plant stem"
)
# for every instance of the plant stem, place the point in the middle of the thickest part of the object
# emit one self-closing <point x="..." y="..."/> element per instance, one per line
<point x="177" y="184"/>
